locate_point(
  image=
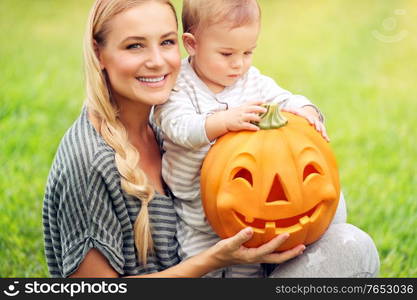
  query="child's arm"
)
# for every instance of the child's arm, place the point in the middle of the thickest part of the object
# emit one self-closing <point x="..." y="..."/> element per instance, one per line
<point x="234" y="119"/>
<point x="180" y="122"/>
<point x="296" y="104"/>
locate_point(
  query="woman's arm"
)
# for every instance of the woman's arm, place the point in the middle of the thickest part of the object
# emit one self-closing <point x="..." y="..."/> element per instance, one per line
<point x="226" y="252"/>
<point x="94" y="265"/>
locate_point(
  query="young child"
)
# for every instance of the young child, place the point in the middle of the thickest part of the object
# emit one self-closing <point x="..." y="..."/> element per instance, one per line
<point x="217" y="91"/>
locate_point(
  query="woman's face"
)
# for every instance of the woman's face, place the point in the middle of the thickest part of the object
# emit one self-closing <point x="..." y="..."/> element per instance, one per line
<point x="141" y="54"/>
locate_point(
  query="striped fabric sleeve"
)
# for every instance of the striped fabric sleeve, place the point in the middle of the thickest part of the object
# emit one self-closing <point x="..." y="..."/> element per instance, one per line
<point x="180" y="122"/>
<point x="86" y="219"/>
<point x="156" y="129"/>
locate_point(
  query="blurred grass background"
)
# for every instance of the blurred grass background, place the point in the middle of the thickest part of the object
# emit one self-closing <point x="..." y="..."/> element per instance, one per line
<point x="340" y="54"/>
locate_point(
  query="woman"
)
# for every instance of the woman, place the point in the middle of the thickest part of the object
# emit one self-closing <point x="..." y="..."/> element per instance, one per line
<point x="110" y="158"/>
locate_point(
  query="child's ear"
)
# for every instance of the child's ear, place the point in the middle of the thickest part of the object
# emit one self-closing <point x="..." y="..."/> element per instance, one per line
<point x="190" y="43"/>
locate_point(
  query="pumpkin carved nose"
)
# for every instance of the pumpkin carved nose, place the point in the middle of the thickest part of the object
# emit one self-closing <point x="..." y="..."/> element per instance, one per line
<point x="277" y="192"/>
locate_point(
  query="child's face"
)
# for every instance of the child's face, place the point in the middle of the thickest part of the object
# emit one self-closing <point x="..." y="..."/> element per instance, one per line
<point x="221" y="55"/>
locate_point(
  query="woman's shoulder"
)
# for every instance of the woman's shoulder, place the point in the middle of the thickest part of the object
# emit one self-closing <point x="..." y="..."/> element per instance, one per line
<point x="82" y="140"/>
<point x="81" y="152"/>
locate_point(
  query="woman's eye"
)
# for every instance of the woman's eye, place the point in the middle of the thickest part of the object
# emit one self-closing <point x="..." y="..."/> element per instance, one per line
<point x="134" y="46"/>
<point x="168" y="42"/>
<point x="225" y="54"/>
<point x="248" y="53"/>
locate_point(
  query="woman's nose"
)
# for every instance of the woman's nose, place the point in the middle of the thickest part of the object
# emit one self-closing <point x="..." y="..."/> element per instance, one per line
<point x="155" y="59"/>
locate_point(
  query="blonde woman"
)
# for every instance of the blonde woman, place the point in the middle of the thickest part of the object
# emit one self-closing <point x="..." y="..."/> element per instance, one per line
<point x="107" y="212"/>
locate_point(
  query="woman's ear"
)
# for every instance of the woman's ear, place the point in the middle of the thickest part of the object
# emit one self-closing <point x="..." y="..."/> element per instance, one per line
<point x="190" y="43"/>
<point x="98" y="54"/>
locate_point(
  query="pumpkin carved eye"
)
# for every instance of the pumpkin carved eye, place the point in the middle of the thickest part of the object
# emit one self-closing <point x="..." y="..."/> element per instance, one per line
<point x="310" y="169"/>
<point x="244" y="174"/>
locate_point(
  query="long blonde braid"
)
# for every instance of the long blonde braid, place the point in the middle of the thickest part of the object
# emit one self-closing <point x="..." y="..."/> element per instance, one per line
<point x="99" y="101"/>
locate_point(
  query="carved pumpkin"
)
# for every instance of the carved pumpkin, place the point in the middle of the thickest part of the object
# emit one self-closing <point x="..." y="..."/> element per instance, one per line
<point x="274" y="180"/>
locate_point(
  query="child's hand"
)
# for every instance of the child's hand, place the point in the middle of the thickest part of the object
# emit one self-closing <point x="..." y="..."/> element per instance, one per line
<point x="311" y="115"/>
<point x="241" y="118"/>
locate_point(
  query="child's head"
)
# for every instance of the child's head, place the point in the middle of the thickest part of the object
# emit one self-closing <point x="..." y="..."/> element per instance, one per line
<point x="220" y="36"/>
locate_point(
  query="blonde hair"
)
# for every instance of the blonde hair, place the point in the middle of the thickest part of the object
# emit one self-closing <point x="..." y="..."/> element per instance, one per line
<point x="99" y="101"/>
<point x="199" y="14"/>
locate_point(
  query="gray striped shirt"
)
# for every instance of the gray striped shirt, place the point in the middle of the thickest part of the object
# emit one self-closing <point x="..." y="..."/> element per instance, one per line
<point x="85" y="207"/>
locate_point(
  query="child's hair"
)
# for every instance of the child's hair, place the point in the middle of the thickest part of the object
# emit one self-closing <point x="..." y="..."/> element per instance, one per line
<point x="199" y="14"/>
<point x="99" y="101"/>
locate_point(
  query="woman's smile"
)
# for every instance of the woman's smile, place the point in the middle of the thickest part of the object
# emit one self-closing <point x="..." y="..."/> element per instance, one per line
<point x="153" y="81"/>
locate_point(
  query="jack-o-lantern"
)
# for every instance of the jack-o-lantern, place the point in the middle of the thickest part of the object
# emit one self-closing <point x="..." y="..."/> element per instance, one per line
<point x="282" y="178"/>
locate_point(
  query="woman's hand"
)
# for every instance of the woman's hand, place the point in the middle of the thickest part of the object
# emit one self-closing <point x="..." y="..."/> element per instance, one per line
<point x="311" y="115"/>
<point x="225" y="253"/>
<point x="231" y="251"/>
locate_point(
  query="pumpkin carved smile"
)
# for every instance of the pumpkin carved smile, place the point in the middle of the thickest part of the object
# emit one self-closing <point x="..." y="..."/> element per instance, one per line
<point x="280" y="224"/>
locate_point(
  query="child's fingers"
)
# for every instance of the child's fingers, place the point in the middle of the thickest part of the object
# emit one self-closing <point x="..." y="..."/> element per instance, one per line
<point x="256" y="109"/>
<point x="317" y="125"/>
<point x="249" y="126"/>
<point x="322" y="129"/>
<point x="309" y="119"/>
<point x="253" y="117"/>
<point x="248" y="120"/>
<point x="324" y="132"/>
<point x="255" y="102"/>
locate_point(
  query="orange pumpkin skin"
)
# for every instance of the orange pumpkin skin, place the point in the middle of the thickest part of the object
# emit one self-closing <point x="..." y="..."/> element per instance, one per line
<point x="275" y="180"/>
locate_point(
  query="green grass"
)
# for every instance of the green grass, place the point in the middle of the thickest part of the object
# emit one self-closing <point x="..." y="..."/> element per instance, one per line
<point x="326" y="51"/>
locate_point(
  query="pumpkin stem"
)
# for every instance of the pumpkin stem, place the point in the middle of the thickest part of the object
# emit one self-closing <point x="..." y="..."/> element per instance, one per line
<point x="272" y="118"/>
